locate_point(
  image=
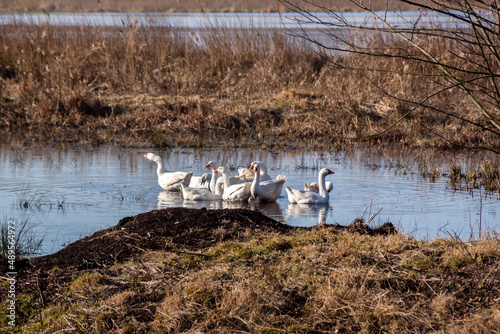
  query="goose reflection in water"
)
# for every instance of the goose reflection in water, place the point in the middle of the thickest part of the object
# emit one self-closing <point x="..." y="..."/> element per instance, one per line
<point x="269" y="209"/>
<point x="311" y="210"/>
<point x="274" y="210"/>
<point x="168" y="199"/>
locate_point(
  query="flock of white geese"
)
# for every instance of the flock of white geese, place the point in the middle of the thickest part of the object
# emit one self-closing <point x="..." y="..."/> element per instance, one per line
<point x="253" y="183"/>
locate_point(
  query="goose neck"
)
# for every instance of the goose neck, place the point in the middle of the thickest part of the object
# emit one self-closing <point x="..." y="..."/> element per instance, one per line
<point x="213" y="181"/>
<point x="256" y="178"/>
<point x="161" y="167"/>
<point x="322" y="186"/>
<point x="225" y="176"/>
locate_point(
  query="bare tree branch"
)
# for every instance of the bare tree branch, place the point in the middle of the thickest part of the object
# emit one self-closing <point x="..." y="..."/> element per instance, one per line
<point x="470" y="31"/>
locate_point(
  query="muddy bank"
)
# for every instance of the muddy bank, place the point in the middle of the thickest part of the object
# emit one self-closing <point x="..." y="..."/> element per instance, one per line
<point x="193" y="270"/>
<point x="178" y="230"/>
<point x="172" y="229"/>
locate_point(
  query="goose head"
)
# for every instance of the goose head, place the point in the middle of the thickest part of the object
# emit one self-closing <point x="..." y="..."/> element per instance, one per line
<point x="205" y="177"/>
<point x="261" y="165"/>
<point x="326" y="171"/>
<point x="153" y="157"/>
<point x="220" y="170"/>
<point x="210" y="164"/>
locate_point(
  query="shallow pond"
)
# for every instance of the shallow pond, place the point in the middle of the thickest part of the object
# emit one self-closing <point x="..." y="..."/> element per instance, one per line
<point x="67" y="194"/>
<point x="225" y="20"/>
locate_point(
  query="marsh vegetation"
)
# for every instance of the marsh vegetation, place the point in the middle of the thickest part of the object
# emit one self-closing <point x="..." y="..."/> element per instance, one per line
<point x="237" y="271"/>
<point x="19" y="237"/>
<point x="135" y="85"/>
<point x="190" y="6"/>
<point x="156" y="86"/>
<point x="160" y="86"/>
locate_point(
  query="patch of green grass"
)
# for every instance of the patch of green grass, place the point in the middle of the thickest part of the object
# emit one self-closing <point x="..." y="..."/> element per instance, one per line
<point x="26" y="307"/>
<point x="87" y="284"/>
<point x="424" y="263"/>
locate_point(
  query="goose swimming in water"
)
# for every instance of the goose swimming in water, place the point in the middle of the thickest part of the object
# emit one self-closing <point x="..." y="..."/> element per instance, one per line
<point x="170" y="181"/>
<point x="296" y="196"/>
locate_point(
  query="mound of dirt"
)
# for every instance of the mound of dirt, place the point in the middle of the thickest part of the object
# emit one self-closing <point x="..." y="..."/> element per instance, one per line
<point x="179" y="228"/>
<point x="174" y="229"/>
<point x="171" y="229"/>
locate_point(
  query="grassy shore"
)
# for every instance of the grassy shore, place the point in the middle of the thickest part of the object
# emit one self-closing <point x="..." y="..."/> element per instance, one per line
<point x="247" y="274"/>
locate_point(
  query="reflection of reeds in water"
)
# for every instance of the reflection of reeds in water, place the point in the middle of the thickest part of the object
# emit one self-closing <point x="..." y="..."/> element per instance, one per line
<point x="119" y="194"/>
<point x="44" y="200"/>
<point x="473" y="176"/>
<point x="40" y="200"/>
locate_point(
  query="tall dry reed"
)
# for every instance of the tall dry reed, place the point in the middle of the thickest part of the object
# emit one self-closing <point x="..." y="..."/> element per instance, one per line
<point x="168" y="86"/>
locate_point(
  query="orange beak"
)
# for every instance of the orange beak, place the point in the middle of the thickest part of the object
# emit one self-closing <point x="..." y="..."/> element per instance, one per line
<point x="216" y="171"/>
<point x="207" y="165"/>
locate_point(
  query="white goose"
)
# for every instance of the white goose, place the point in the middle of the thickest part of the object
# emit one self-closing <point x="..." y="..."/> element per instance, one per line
<point x="266" y="191"/>
<point x="236" y="192"/>
<point x="215" y="176"/>
<point x="314" y="186"/>
<point x="198" y="194"/>
<point x="262" y="170"/>
<point x="220" y="182"/>
<point x="296" y="196"/>
<point x="169" y="180"/>
<point x="245" y="174"/>
<point x="200" y="181"/>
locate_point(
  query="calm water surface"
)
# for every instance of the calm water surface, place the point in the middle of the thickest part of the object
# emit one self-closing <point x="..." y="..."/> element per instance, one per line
<point x="72" y="193"/>
<point x="225" y="20"/>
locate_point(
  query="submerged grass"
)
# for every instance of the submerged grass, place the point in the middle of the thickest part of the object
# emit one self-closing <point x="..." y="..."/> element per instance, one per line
<point x="18" y="238"/>
<point x="473" y="176"/>
<point x="40" y="200"/>
<point x="310" y="281"/>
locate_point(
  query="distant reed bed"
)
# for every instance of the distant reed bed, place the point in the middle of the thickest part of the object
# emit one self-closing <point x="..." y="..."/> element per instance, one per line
<point x="165" y="86"/>
<point x="207" y="6"/>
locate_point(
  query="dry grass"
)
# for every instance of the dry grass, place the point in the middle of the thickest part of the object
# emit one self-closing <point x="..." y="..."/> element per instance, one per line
<point x="157" y="86"/>
<point x="308" y="282"/>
